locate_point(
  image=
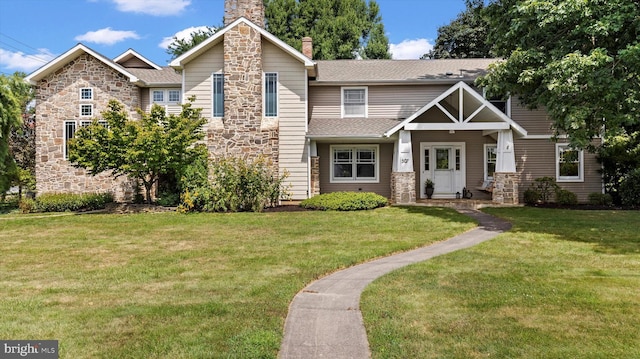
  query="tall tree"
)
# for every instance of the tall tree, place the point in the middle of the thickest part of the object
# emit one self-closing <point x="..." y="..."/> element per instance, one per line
<point x="464" y="37"/>
<point x="141" y="149"/>
<point x="341" y="29"/>
<point x="180" y="46"/>
<point x="580" y="60"/>
<point x="14" y="95"/>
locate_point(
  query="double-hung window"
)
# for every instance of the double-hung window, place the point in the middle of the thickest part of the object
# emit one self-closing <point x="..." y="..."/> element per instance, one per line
<point x="357" y="163"/>
<point x="165" y="96"/>
<point x="86" y="93"/>
<point x="271" y="94"/>
<point x="490" y="160"/>
<point x="569" y="164"/>
<point x="354" y="102"/>
<point x="86" y="110"/>
<point x="217" y="94"/>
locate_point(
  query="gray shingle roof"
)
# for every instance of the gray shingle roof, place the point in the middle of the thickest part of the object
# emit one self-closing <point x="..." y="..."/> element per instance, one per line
<point x="350" y="127"/>
<point x="165" y="77"/>
<point x="372" y="71"/>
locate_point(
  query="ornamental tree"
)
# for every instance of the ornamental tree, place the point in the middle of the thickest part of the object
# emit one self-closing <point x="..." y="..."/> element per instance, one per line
<point x="140" y="149"/>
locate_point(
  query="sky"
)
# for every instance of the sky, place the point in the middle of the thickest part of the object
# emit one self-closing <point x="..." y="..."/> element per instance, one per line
<point x="33" y="32"/>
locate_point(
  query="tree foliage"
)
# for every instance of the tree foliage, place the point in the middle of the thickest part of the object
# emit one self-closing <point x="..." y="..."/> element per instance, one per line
<point x="580" y="60"/>
<point x="15" y="94"/>
<point x="180" y="46"/>
<point x="341" y="29"/>
<point x="140" y="149"/>
<point x="464" y="37"/>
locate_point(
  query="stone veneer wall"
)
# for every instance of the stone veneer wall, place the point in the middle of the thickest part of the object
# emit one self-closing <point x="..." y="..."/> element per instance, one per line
<point x="505" y="190"/>
<point x="315" y="176"/>
<point x="252" y="10"/>
<point x="57" y="101"/>
<point x="403" y="187"/>
<point x="244" y="133"/>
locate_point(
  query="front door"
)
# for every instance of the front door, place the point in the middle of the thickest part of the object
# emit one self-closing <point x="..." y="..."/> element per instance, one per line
<point x="444" y="164"/>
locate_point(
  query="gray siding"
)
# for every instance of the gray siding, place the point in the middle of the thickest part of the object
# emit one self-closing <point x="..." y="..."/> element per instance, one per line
<point x="536" y="122"/>
<point x="292" y="117"/>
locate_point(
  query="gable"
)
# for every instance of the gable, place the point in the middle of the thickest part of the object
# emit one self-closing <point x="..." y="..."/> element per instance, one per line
<point x="132" y="59"/>
<point x="460" y="108"/>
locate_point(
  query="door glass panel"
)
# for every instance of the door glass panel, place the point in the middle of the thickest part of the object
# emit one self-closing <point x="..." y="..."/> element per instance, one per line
<point x="442" y="158"/>
<point x="426" y="159"/>
<point x="457" y="159"/>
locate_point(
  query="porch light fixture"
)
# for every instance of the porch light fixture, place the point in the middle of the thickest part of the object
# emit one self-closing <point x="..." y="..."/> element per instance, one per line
<point x="452" y="132"/>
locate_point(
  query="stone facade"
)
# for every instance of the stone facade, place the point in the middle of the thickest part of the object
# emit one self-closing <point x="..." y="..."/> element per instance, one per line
<point x="315" y="176"/>
<point x="58" y="101"/>
<point x="244" y="132"/>
<point x="505" y="190"/>
<point x="252" y="10"/>
<point x="403" y="187"/>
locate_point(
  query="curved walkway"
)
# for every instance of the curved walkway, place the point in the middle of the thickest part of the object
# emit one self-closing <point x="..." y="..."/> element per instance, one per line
<point x="324" y="319"/>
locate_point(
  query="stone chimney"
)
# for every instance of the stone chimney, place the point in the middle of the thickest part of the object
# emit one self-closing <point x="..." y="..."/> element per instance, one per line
<point x="252" y="10"/>
<point x="307" y="47"/>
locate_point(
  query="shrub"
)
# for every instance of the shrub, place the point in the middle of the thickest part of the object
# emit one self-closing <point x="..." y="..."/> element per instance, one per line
<point x="566" y="197"/>
<point x="600" y="199"/>
<point x="345" y="201"/>
<point x="531" y="196"/>
<point x="27" y="205"/>
<point x="61" y="202"/>
<point x="168" y="199"/>
<point x="545" y="187"/>
<point x="629" y="189"/>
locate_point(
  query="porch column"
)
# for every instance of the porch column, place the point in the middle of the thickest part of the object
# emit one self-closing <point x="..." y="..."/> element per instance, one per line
<point x="403" y="177"/>
<point x="505" y="189"/>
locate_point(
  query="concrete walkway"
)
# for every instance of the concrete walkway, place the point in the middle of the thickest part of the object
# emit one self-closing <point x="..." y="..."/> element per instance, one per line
<point x="324" y="319"/>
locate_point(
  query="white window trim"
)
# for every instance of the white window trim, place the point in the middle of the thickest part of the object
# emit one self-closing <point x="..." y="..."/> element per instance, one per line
<point x="165" y="96"/>
<point x="85" y="105"/>
<point x="486" y="160"/>
<point x="366" y="102"/>
<point x="264" y="91"/>
<point x="376" y="148"/>
<point x="213" y="98"/>
<point x="580" y="177"/>
<point x="80" y="94"/>
<point x="65" y="152"/>
<point x="507" y="102"/>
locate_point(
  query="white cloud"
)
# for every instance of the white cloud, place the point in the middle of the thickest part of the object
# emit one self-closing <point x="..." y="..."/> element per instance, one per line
<point x="107" y="36"/>
<point x="181" y="35"/>
<point x="410" y="49"/>
<point x="152" y="7"/>
<point x="20" y="61"/>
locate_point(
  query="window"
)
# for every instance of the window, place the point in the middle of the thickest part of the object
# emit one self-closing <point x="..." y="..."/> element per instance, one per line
<point x="490" y="159"/>
<point x="69" y="133"/>
<point x="354" y="102"/>
<point x="86" y="110"/>
<point x="569" y="164"/>
<point x="271" y="94"/>
<point x="354" y="163"/>
<point x="174" y="95"/>
<point x="158" y="96"/>
<point x="499" y="103"/>
<point x="165" y="96"/>
<point x="86" y="93"/>
<point x="218" y="95"/>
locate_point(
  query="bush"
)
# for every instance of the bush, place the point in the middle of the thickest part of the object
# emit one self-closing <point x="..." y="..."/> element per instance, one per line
<point x="566" y="198"/>
<point x="600" y="199"/>
<point x="27" y="205"/>
<point x="168" y="199"/>
<point x="61" y="202"/>
<point x="629" y="189"/>
<point x="531" y="196"/>
<point x="345" y="201"/>
<point x="237" y="185"/>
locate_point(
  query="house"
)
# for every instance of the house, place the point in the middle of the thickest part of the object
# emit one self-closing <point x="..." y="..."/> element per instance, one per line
<point x="385" y="126"/>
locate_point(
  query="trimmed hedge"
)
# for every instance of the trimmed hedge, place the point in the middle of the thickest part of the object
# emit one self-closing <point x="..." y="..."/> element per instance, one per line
<point x="345" y="201"/>
<point x="61" y="202"/>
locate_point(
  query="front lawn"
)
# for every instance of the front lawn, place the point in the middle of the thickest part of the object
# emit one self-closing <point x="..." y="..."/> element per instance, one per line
<point x="185" y="286"/>
<point x="560" y="284"/>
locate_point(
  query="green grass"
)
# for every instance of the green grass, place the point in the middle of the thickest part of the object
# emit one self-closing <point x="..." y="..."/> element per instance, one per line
<point x="560" y="284"/>
<point x="185" y="286"/>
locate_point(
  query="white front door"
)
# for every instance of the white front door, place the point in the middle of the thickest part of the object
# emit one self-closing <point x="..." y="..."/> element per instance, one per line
<point x="444" y="164"/>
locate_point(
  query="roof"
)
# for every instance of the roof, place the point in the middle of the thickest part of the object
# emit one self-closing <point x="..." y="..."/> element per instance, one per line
<point x="350" y="127"/>
<point x="70" y="55"/>
<point x="216" y="38"/>
<point x="165" y="76"/>
<point x="131" y="53"/>
<point x="390" y="71"/>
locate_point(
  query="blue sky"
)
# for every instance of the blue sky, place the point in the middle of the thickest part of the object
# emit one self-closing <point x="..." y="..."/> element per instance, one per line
<point x="33" y="32"/>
